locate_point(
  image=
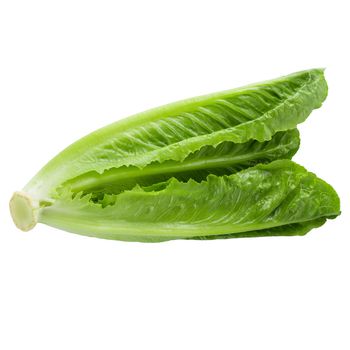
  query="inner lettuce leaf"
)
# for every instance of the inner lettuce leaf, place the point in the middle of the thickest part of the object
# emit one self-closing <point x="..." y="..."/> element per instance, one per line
<point x="224" y="159"/>
<point x="175" y="131"/>
<point x="279" y="198"/>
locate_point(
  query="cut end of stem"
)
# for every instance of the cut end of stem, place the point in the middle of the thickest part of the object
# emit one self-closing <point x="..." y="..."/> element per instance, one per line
<point x="24" y="211"/>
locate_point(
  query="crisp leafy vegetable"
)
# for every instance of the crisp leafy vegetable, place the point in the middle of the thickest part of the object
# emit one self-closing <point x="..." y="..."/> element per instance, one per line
<point x="189" y="170"/>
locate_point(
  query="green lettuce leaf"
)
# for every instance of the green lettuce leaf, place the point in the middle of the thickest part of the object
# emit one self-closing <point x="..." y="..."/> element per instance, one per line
<point x="224" y="159"/>
<point x="175" y="131"/>
<point x="279" y="198"/>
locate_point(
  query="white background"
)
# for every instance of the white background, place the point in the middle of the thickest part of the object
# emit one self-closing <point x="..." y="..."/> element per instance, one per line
<point x="69" y="67"/>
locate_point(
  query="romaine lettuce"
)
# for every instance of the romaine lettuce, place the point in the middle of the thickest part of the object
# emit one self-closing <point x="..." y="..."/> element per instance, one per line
<point x="189" y="170"/>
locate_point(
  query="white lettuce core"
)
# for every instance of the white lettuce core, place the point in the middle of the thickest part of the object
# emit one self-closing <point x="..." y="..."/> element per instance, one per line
<point x="24" y="211"/>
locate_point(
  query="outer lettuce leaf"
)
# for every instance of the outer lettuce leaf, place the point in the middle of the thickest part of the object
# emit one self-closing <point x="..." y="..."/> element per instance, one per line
<point x="273" y="199"/>
<point x="175" y="131"/>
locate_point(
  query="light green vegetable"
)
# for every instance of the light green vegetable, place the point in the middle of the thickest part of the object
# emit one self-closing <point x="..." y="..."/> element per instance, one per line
<point x="176" y="171"/>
